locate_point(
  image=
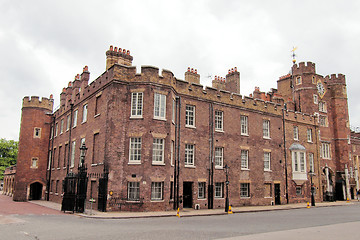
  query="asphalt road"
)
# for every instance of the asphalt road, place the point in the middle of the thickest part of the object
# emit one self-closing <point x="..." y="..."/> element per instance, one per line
<point x="342" y="222"/>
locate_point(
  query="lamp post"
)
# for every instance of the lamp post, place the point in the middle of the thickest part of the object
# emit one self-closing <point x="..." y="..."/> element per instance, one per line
<point x="83" y="150"/>
<point x="226" y="169"/>
<point x="311" y="173"/>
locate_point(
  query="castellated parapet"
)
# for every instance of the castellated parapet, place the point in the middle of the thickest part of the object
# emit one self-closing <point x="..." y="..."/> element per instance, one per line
<point x="335" y="79"/>
<point x="301" y="68"/>
<point x="35" y="102"/>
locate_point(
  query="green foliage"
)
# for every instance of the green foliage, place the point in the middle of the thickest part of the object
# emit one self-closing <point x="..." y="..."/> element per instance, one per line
<point x="8" y="154"/>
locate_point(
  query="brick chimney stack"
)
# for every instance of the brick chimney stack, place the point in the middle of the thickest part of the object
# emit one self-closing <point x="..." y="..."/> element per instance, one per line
<point x="192" y="76"/>
<point x="117" y="55"/>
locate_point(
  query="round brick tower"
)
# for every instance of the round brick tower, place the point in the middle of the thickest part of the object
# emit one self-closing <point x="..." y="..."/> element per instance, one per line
<point x="30" y="179"/>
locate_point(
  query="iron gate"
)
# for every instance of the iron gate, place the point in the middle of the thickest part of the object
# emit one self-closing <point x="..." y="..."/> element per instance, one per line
<point x="102" y="193"/>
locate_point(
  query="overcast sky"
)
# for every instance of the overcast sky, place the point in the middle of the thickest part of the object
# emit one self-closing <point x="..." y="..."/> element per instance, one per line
<point x="44" y="44"/>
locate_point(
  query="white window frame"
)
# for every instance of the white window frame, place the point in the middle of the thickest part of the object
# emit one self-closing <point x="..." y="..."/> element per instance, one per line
<point x="190" y="116"/>
<point x="133" y="193"/>
<point x="159" y="106"/>
<point x="219" y="121"/>
<point x="219" y="157"/>
<point x="219" y="190"/>
<point x="266" y="129"/>
<point x="296" y="133"/>
<point x="34" y="162"/>
<point x="75" y="117"/>
<point x="56" y="129"/>
<point x="244" y="155"/>
<point x="85" y="112"/>
<point x="68" y="121"/>
<point x="173" y="114"/>
<point x="315" y="99"/>
<point x="322" y="107"/>
<point x="244" y="190"/>
<point x="61" y="126"/>
<point x="298" y="80"/>
<point x="189" y="155"/>
<point x="323" y="121"/>
<point x="299" y="161"/>
<point x="137" y="99"/>
<point x="157" y="189"/>
<point x="172" y="148"/>
<point x="72" y="157"/>
<point x="325" y="150"/>
<point x="244" y="125"/>
<point x="135" y="150"/>
<point x="267" y="161"/>
<point x="201" y="190"/>
<point x="37" y="132"/>
<point x="158" y="151"/>
<point x="309" y="135"/>
<point x="311" y="163"/>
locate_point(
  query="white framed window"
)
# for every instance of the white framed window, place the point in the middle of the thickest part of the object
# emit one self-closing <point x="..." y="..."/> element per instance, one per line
<point x="158" y="151"/>
<point x="323" y="121"/>
<point x="244" y="189"/>
<point x="85" y="110"/>
<point x="316" y="98"/>
<point x="68" y="121"/>
<point x="159" y="106"/>
<point x="322" y="107"/>
<point x="62" y="126"/>
<point x="309" y="134"/>
<point x="56" y="129"/>
<point x="325" y="150"/>
<point x="72" y="157"/>
<point x="296" y="133"/>
<point x="136" y="104"/>
<point x="37" y="132"/>
<point x="244" y="159"/>
<point x="34" y="163"/>
<point x="50" y="159"/>
<point x="266" y="128"/>
<point x="298" y="159"/>
<point x="190" y="116"/>
<point x="173" y="115"/>
<point x="133" y="191"/>
<point x="172" y="147"/>
<point x="135" y="150"/>
<point x="219" y="190"/>
<point x="267" y="161"/>
<point x="298" y="80"/>
<point x="219" y="157"/>
<point x="157" y="191"/>
<point x="189" y="154"/>
<point x="311" y="162"/>
<point x="219" y="123"/>
<point x="244" y="125"/>
<point x="75" y="117"/>
<point x="201" y="190"/>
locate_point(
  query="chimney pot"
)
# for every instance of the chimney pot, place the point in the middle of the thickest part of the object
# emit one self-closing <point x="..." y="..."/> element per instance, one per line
<point x="111" y="47"/>
<point x="128" y="52"/>
<point x="124" y="50"/>
<point x="235" y="68"/>
<point x="196" y="71"/>
<point x="115" y="49"/>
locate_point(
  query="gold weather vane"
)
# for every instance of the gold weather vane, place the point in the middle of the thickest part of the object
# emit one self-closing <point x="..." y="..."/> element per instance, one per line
<point x="293" y="54"/>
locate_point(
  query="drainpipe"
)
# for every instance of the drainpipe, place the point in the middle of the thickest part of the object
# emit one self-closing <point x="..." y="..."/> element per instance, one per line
<point x="211" y="161"/>
<point x="177" y="159"/>
<point x="285" y="157"/>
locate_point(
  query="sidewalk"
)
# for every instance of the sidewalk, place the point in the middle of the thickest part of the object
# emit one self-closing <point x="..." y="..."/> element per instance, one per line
<point x="189" y="212"/>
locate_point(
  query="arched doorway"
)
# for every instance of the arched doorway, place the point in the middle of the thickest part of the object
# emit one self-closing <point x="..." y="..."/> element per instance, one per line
<point x="35" y="191"/>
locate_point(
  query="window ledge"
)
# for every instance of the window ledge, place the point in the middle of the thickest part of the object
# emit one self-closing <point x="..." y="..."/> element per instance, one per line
<point x="219" y="167"/>
<point x="244" y="197"/>
<point x="159" y="118"/>
<point x="244" y="135"/>
<point x="136" y="117"/>
<point x="97" y="115"/>
<point x="157" y="201"/>
<point x="134" y="163"/>
<point x="94" y="164"/>
<point x="219" y="198"/>
<point x="267" y="138"/>
<point x="74" y="126"/>
<point x="64" y="167"/>
<point x="190" y="126"/>
<point x="158" y="164"/>
<point x="245" y="169"/>
<point x="202" y="199"/>
<point x="56" y="194"/>
<point x="190" y="166"/>
<point x="84" y="122"/>
<point x="267" y="170"/>
<point x="219" y="130"/>
<point x="58" y="168"/>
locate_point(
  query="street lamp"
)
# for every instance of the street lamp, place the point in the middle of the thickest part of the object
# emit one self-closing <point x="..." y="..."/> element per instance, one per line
<point x="83" y="150"/>
<point x="226" y="169"/>
<point x="311" y="173"/>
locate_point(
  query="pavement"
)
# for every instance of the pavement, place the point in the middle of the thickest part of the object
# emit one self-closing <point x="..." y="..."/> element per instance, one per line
<point x="47" y="207"/>
<point x="188" y="212"/>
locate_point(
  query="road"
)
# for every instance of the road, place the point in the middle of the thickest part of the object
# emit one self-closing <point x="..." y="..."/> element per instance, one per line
<point x="341" y="222"/>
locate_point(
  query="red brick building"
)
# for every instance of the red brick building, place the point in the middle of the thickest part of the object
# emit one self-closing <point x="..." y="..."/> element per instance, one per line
<point x="156" y="142"/>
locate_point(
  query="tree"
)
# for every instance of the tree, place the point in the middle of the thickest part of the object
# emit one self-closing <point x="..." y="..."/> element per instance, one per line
<point x="8" y="154"/>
